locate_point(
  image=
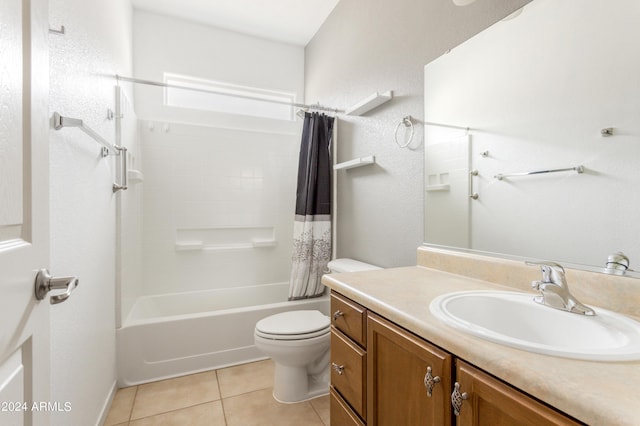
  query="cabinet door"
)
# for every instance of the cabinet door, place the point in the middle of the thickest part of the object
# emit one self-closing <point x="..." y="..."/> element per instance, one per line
<point x="493" y="403"/>
<point x="397" y="363"/>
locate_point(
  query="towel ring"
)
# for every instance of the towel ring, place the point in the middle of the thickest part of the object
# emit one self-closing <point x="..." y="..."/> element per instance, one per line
<point x="407" y="123"/>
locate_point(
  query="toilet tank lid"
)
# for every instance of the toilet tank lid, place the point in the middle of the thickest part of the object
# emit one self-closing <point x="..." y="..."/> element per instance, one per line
<point x="294" y="322"/>
<point x="350" y="265"/>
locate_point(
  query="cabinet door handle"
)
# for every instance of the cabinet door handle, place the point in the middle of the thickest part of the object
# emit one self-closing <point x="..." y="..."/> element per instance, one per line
<point x="338" y="368"/>
<point x="457" y="399"/>
<point x="337" y="314"/>
<point x="430" y="382"/>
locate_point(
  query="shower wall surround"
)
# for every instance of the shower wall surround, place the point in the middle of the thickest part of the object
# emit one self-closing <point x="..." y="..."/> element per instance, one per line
<point x="219" y="189"/>
<point x="218" y="207"/>
<point x="129" y="220"/>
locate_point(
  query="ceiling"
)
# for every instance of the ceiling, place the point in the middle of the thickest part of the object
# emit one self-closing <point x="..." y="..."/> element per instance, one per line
<point x="289" y="21"/>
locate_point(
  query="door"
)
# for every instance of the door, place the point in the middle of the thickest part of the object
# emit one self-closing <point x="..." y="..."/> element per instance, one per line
<point x="24" y="221"/>
<point x="490" y="402"/>
<point x="408" y="379"/>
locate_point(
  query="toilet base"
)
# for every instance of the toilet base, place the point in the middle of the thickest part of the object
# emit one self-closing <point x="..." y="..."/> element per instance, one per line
<point x="294" y="384"/>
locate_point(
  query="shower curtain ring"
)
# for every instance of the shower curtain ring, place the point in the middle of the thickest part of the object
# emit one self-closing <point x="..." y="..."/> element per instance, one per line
<point x="407" y="123"/>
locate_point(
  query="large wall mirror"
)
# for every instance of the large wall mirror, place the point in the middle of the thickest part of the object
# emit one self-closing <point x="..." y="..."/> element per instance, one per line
<point x="532" y="136"/>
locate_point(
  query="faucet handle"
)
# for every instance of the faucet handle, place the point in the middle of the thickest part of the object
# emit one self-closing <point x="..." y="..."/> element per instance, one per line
<point x="551" y="272"/>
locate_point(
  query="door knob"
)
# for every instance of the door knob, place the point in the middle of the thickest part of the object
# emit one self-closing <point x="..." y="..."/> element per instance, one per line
<point x="45" y="283"/>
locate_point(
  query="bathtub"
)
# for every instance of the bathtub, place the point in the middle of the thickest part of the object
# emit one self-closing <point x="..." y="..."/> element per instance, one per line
<point x="175" y="334"/>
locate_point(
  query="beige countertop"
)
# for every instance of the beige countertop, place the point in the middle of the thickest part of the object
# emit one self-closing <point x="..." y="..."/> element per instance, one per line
<point x="597" y="393"/>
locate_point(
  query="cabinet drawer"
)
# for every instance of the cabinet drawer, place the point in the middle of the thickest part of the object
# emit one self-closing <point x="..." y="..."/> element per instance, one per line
<point x="349" y="317"/>
<point x="348" y="371"/>
<point x="340" y="412"/>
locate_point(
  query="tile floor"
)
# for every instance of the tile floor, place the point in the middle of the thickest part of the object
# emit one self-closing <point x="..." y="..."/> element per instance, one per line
<point x="239" y="395"/>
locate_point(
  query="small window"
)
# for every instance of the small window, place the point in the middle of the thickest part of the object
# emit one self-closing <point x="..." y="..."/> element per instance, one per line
<point x="229" y="98"/>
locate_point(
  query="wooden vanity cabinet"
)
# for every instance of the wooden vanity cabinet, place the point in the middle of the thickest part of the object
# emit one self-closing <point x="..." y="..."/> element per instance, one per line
<point x="379" y="376"/>
<point x="492" y="402"/>
<point x="400" y="368"/>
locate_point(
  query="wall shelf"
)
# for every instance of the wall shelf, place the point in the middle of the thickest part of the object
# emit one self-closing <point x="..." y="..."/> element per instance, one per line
<point x="225" y="238"/>
<point x="370" y="103"/>
<point x="439" y="187"/>
<point x="358" y="162"/>
<point x="135" y="176"/>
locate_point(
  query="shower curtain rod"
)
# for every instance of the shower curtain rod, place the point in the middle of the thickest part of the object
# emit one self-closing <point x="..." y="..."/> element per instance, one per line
<point x="215" y="92"/>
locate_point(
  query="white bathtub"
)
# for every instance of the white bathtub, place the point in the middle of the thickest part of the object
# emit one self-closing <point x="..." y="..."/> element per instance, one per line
<point x="176" y="334"/>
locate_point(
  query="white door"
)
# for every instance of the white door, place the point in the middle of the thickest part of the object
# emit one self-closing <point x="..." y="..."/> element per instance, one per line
<point x="24" y="217"/>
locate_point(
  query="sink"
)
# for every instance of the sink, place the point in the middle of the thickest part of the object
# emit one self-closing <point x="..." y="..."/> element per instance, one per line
<point x="514" y="319"/>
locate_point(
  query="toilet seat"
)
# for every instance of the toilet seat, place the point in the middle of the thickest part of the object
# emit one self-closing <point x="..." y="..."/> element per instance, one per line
<point x="293" y="325"/>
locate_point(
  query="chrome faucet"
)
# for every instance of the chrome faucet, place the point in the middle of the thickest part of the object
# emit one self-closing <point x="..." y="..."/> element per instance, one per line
<point x="554" y="291"/>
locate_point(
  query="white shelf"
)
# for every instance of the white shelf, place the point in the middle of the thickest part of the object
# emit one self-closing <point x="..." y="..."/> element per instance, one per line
<point x="370" y="103"/>
<point x="263" y="243"/>
<point x="135" y="176"/>
<point x="358" y="162"/>
<point x="440" y="187"/>
<point x="189" y="245"/>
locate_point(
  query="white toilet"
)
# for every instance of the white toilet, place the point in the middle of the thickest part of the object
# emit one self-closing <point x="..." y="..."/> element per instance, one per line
<point x="298" y="343"/>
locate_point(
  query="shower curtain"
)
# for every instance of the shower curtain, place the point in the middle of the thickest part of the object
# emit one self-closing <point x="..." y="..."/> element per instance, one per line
<point x="312" y="226"/>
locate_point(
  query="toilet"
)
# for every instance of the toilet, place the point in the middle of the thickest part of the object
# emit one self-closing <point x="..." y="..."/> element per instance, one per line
<point x="298" y="343"/>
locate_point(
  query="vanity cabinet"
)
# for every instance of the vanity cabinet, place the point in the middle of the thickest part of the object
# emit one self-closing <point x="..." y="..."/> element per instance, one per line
<point x="382" y="374"/>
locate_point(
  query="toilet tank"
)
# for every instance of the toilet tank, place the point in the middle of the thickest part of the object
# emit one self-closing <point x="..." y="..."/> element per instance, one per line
<point x="350" y="265"/>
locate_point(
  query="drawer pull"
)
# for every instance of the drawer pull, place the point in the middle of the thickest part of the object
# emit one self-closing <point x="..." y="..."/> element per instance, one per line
<point x="338" y="368"/>
<point x="337" y="314"/>
<point x="430" y="382"/>
<point x="457" y="399"/>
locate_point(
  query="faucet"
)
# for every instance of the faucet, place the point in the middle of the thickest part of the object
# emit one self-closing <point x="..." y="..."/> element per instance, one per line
<point x="554" y="291"/>
<point x="617" y="264"/>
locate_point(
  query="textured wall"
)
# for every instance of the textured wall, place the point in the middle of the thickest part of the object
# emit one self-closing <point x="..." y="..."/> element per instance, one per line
<point x="377" y="45"/>
<point x="97" y="45"/>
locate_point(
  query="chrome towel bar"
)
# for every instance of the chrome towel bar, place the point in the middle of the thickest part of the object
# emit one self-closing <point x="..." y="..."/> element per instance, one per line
<point x="60" y="121"/>
<point x="577" y="169"/>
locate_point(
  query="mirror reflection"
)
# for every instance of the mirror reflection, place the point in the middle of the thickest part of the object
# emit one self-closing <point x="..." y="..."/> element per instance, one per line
<point x="532" y="136"/>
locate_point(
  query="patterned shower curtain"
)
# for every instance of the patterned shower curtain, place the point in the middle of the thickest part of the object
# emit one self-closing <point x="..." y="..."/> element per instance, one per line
<point x="312" y="226"/>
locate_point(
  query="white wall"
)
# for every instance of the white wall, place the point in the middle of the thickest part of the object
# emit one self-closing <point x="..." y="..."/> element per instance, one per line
<point x="165" y="44"/>
<point x="97" y="45"/>
<point x="218" y="178"/>
<point x="366" y="46"/>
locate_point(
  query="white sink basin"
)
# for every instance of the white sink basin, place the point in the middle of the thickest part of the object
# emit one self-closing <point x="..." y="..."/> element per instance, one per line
<point x="514" y="319"/>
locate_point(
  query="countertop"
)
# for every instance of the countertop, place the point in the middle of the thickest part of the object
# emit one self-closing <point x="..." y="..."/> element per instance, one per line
<point x="597" y="393"/>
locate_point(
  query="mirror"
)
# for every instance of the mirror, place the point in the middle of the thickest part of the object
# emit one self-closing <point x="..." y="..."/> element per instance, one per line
<point x="539" y="117"/>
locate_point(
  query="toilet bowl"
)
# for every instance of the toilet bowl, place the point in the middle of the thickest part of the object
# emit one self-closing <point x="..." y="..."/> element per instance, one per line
<point x="298" y="343"/>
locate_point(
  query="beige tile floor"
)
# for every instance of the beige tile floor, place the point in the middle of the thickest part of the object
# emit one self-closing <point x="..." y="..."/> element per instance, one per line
<point x="239" y="395"/>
